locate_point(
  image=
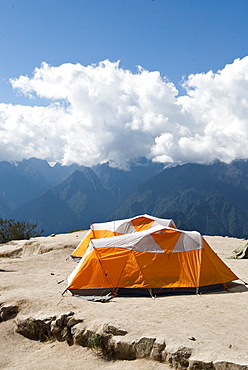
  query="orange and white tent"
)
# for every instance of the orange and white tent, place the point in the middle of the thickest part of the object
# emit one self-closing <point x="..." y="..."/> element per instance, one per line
<point x="119" y="227"/>
<point x="155" y="261"/>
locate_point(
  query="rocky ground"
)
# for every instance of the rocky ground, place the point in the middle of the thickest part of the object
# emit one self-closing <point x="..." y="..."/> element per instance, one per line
<point x="41" y="328"/>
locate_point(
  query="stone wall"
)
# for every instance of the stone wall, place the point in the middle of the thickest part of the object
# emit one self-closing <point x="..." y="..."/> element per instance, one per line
<point x="109" y="339"/>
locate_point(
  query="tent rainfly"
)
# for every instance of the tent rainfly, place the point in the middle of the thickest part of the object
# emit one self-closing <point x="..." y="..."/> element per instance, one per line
<point x="155" y="261"/>
<point x="119" y="227"/>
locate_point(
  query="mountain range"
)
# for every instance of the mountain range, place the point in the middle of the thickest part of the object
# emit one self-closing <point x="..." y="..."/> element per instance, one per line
<point x="209" y="198"/>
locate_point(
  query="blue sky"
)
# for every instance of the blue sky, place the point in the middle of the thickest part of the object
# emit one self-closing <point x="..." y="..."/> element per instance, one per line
<point x="174" y="37"/>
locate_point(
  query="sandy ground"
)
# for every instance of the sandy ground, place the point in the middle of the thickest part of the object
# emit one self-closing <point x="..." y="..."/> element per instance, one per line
<point x="33" y="276"/>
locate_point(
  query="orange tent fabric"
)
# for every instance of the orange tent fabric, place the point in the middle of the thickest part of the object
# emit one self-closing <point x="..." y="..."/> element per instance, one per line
<point x="157" y="260"/>
<point x="119" y="227"/>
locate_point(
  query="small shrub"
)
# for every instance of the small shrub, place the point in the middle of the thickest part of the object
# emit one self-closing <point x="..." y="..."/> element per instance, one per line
<point x="17" y="230"/>
<point x="95" y="342"/>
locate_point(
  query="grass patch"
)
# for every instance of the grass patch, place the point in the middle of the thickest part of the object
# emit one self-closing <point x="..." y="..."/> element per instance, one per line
<point x="95" y="342"/>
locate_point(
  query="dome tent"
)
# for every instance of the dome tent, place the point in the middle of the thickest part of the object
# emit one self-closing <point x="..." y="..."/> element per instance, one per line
<point x="119" y="227"/>
<point x="155" y="261"/>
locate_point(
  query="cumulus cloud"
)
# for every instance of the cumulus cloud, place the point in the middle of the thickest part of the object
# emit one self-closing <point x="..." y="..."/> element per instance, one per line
<point x="102" y="112"/>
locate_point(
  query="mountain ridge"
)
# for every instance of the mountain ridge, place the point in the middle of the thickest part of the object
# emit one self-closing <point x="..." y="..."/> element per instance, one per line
<point x="183" y="188"/>
<point x="209" y="198"/>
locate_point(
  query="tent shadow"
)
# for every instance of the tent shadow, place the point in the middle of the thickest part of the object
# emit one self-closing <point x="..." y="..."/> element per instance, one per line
<point x="237" y="287"/>
<point x="231" y="287"/>
<point x="2" y="270"/>
<point x="234" y="287"/>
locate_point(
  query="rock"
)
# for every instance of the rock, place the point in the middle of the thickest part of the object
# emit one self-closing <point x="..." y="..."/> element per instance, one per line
<point x="128" y="350"/>
<point x="200" y="365"/>
<point x="143" y="347"/>
<point x="44" y="328"/>
<point x="73" y="321"/>
<point x="226" y="365"/>
<point x="10" y="251"/>
<point x="78" y="329"/>
<point x="157" y="350"/>
<point x="113" y="329"/>
<point x="61" y="327"/>
<point x="56" y="331"/>
<point x="8" y="312"/>
<point x="63" y="318"/>
<point x="179" y="358"/>
<point x="164" y="354"/>
<point x="66" y="335"/>
<point x="81" y="337"/>
<point x="77" y="334"/>
<point x="122" y="350"/>
<point x="35" y="329"/>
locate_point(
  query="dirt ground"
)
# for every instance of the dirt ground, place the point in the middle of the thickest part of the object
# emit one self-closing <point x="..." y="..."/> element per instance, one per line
<point x="33" y="276"/>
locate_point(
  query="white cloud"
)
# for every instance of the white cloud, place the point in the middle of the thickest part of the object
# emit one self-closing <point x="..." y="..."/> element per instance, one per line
<point x="104" y="113"/>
